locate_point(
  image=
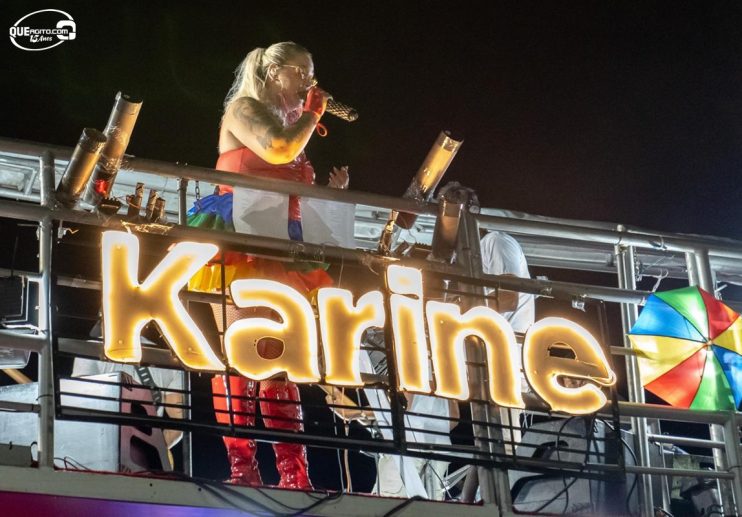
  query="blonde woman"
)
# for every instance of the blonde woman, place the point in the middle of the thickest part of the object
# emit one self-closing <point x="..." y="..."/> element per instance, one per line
<point x="270" y="113"/>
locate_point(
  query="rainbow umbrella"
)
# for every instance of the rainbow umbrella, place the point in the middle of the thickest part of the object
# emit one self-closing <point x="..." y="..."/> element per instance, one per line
<point x="689" y="349"/>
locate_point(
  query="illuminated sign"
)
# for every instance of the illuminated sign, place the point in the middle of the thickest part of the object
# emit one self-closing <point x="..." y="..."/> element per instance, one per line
<point x="566" y="384"/>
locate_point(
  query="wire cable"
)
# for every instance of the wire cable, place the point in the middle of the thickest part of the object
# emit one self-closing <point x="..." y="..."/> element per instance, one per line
<point x="403" y="505"/>
<point x="588" y="441"/>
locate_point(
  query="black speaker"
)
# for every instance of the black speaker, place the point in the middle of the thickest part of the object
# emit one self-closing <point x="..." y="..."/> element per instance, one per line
<point x="574" y="440"/>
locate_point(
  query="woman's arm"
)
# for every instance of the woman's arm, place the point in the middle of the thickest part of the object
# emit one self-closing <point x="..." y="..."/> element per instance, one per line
<point x="258" y="129"/>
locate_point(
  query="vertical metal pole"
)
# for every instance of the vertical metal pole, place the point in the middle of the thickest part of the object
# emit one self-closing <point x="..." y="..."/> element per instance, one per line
<point x="493" y="483"/>
<point x="700" y="274"/>
<point x="625" y="261"/>
<point x="46" y="378"/>
<point x="705" y="277"/>
<point x="187" y="437"/>
<point x="690" y="265"/>
<point x="732" y="448"/>
<point x="399" y="431"/>
<point x="182" y="202"/>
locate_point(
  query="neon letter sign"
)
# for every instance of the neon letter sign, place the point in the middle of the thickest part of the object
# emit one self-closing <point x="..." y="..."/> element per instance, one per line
<point x="128" y="305"/>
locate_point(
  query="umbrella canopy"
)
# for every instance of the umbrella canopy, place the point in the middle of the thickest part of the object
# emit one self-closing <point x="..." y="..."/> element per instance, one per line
<point x="689" y="349"/>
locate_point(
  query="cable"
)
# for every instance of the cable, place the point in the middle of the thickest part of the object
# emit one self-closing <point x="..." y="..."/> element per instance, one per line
<point x="588" y="441"/>
<point x="442" y="481"/>
<point x="299" y="511"/>
<point x="337" y="452"/>
<point x="340" y="275"/>
<point x="633" y="456"/>
<point x="218" y="490"/>
<point x="403" y="505"/>
<point x="317" y="503"/>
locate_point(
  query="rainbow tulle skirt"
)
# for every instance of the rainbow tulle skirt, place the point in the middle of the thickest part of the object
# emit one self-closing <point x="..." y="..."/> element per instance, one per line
<point x="215" y="213"/>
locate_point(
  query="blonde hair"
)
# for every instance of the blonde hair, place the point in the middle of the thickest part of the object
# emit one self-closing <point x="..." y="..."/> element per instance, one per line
<point x="251" y="75"/>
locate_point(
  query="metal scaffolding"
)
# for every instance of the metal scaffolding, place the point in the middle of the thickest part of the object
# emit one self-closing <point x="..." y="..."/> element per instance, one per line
<point x="29" y="173"/>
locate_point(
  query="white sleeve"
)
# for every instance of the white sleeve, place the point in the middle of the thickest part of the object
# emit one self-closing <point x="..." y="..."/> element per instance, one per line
<point x="86" y="367"/>
<point x="166" y="378"/>
<point x="501" y="254"/>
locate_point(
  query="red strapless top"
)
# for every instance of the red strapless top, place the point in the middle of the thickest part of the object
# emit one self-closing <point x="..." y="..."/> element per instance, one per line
<point x="243" y="161"/>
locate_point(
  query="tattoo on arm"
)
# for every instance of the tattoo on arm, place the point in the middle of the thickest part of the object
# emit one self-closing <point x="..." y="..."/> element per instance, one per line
<point x="268" y="130"/>
<point x="259" y="120"/>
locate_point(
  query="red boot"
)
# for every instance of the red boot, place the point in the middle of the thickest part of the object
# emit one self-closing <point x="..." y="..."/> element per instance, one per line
<point x="240" y="451"/>
<point x="291" y="458"/>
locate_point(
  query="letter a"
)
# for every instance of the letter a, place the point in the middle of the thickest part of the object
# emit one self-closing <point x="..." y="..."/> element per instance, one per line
<point x="129" y="305"/>
<point x="298" y="332"/>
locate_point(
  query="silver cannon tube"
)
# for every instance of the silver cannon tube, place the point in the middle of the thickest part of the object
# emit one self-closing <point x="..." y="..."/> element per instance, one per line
<point x="118" y="131"/>
<point x="450" y="207"/>
<point x="423" y="185"/>
<point x="430" y="173"/>
<point x="80" y="167"/>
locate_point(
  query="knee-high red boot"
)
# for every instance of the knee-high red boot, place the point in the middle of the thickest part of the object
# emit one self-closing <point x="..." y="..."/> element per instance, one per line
<point x="291" y="458"/>
<point x="240" y="451"/>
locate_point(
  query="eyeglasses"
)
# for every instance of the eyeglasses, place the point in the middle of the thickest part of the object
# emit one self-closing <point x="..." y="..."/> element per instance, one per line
<point x="306" y="78"/>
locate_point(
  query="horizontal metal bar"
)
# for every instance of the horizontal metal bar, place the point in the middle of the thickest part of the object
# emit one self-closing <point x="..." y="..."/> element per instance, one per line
<point x="670" y="413"/>
<point x="659" y="241"/>
<point x="548" y="288"/>
<point x="688" y="442"/>
<point x="18" y="407"/>
<point x="707" y="474"/>
<point x="18" y="341"/>
<point x="31" y="276"/>
<point x="210" y="175"/>
<point x="622" y="350"/>
<point x="562" y="229"/>
<point x="94" y="350"/>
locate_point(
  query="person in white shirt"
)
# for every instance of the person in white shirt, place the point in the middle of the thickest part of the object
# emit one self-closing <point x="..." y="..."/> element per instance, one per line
<point x="502" y="255"/>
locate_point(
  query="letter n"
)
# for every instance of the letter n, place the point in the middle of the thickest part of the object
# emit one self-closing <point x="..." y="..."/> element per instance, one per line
<point x="449" y="328"/>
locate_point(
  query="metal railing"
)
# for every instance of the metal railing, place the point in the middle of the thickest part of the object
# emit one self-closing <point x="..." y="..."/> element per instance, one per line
<point x="704" y="258"/>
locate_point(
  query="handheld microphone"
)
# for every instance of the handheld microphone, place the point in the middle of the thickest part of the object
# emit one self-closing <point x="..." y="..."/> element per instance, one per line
<point x="340" y="110"/>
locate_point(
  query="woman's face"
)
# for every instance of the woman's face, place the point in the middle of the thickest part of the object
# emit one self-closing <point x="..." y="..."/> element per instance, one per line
<point x="295" y="77"/>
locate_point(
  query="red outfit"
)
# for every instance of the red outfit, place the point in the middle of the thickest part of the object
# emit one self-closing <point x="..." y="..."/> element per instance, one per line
<point x="243" y="161"/>
<point x="290" y="458"/>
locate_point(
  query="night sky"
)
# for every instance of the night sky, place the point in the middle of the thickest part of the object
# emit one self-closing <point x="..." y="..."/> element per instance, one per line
<point x="629" y="112"/>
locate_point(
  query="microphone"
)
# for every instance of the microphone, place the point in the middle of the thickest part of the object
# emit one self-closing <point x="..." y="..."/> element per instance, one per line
<point x="340" y="110"/>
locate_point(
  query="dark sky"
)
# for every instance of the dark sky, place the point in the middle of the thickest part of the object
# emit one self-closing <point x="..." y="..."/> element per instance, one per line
<point x="627" y="112"/>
